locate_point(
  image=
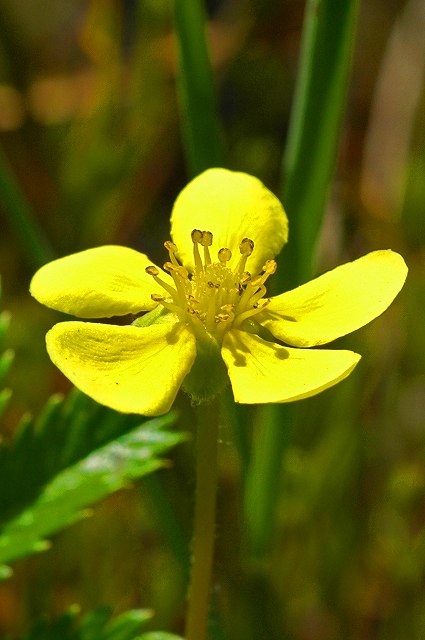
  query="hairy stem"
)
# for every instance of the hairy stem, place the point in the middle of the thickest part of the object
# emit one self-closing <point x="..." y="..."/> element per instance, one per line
<point x="204" y="524"/>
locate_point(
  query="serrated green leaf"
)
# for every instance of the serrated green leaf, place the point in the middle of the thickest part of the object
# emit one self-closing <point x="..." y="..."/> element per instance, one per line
<point x="65" y="499"/>
<point x="96" y="625"/>
<point x="66" y="431"/>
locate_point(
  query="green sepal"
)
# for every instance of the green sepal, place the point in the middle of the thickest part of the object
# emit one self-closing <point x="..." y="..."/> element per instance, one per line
<point x="252" y="326"/>
<point x="156" y="316"/>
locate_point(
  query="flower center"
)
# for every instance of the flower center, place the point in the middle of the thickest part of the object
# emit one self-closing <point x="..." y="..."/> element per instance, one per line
<point x="215" y="297"/>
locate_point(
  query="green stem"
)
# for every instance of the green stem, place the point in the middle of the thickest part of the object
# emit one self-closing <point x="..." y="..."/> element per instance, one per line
<point x="195" y="82"/>
<point x="204" y="525"/>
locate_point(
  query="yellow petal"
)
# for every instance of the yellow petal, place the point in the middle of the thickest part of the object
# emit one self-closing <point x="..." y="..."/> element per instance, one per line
<point x="232" y="206"/>
<point x="262" y="372"/>
<point x="337" y="302"/>
<point x="97" y="283"/>
<point x="130" y="369"/>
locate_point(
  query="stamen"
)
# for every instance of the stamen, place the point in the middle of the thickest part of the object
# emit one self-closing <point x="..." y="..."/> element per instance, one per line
<point x="256" y="282"/>
<point x="268" y="269"/>
<point x="174" y="308"/>
<point x="253" y="292"/>
<point x="241" y="317"/>
<point x="178" y="273"/>
<point x="207" y="238"/>
<point x="246" y="247"/>
<point x="154" y="272"/>
<point x="259" y="294"/>
<point x="197" y="239"/>
<point x="172" y="250"/>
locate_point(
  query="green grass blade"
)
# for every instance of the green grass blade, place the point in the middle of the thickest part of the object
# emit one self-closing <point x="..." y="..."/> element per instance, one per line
<point x="274" y="427"/>
<point x="22" y="219"/>
<point x="319" y="103"/>
<point x="201" y="129"/>
<point x="309" y="162"/>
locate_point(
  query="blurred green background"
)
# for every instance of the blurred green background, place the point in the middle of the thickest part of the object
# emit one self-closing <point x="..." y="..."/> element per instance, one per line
<point x="90" y="128"/>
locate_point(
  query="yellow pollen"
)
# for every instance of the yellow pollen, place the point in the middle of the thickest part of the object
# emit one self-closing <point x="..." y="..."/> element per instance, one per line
<point x="217" y="296"/>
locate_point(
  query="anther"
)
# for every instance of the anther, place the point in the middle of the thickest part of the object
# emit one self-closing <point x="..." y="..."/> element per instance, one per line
<point x="246" y="247"/>
<point x="224" y="255"/>
<point x="270" y="267"/>
<point x="261" y="304"/>
<point x="170" y="246"/>
<point x="168" y="266"/>
<point x="196" y="236"/>
<point x="152" y="271"/>
<point x="156" y="297"/>
<point x="207" y="238"/>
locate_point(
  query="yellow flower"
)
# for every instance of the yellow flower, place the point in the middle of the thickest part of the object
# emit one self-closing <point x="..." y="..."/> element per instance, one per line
<point x="207" y="317"/>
